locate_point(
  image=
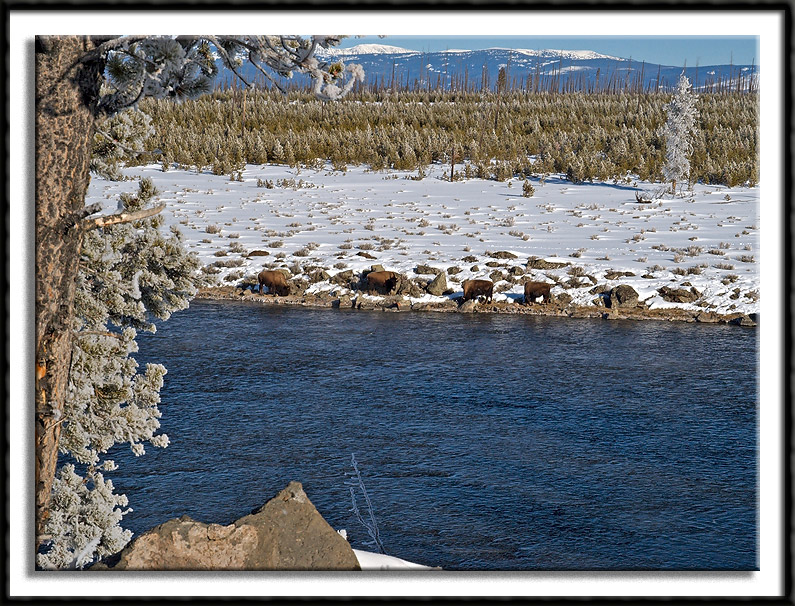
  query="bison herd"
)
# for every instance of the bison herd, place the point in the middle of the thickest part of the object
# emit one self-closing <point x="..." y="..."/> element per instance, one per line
<point x="385" y="282"/>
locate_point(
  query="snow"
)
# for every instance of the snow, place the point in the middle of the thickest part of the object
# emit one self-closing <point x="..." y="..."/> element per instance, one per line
<point x="367" y="49"/>
<point x="378" y="561"/>
<point x="385" y="49"/>
<point x="707" y="239"/>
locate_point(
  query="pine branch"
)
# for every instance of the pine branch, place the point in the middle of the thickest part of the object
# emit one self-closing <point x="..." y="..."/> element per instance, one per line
<point x="108" y="220"/>
<point x="120" y="146"/>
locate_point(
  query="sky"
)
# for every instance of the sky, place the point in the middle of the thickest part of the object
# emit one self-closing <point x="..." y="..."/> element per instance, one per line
<point x="664" y="50"/>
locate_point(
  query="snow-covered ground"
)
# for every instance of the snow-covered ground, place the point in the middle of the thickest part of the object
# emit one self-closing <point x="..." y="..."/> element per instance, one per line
<point x="377" y="561"/>
<point x="708" y="239"/>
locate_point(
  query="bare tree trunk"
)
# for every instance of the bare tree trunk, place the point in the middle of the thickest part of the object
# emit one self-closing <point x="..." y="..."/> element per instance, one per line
<point x="66" y="95"/>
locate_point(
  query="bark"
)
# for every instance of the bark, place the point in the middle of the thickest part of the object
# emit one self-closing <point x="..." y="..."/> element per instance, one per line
<point x="67" y="90"/>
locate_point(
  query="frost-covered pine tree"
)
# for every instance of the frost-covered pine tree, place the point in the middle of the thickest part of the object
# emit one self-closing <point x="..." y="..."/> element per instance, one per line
<point x="129" y="273"/>
<point x="678" y="133"/>
<point x="116" y="138"/>
<point x="81" y="80"/>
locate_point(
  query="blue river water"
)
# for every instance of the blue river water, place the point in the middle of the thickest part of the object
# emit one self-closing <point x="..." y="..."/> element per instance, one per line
<point x="485" y="442"/>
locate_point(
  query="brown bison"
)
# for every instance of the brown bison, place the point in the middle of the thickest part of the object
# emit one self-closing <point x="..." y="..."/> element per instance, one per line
<point x="533" y="290"/>
<point x="382" y="281"/>
<point x="476" y="288"/>
<point x="275" y="281"/>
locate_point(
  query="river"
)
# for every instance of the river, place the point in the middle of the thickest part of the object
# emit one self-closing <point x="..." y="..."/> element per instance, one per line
<point x="485" y="442"/>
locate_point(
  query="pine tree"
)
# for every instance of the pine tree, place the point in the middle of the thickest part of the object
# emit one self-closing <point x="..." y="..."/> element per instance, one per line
<point x="127" y="272"/>
<point x="72" y="96"/>
<point x="678" y="133"/>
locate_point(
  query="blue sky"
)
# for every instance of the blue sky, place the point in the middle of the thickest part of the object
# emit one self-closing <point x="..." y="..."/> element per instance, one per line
<point x="665" y="50"/>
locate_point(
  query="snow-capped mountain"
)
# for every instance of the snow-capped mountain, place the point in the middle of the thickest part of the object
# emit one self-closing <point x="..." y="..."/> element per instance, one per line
<point x="543" y="69"/>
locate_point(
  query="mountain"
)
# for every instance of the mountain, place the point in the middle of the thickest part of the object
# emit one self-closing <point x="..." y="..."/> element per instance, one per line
<point x="548" y="69"/>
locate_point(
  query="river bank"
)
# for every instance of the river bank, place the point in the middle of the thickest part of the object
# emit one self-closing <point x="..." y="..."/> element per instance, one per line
<point x="362" y="301"/>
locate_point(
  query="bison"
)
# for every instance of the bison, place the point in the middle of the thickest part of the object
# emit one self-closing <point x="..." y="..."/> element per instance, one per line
<point x="476" y="288"/>
<point x="382" y="281"/>
<point x="275" y="281"/>
<point x="533" y="290"/>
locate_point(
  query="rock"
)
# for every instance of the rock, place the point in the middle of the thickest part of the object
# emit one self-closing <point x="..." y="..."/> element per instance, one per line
<point x="678" y="295"/>
<point x="297" y="287"/>
<point x="427" y="269"/>
<point x="344" y="302"/>
<point x="622" y="295"/>
<point x="342" y="278"/>
<point x="516" y="271"/>
<point x="563" y="298"/>
<point x="468" y="306"/>
<point x="535" y="263"/>
<point x="496" y="276"/>
<point x="502" y="254"/>
<point x="742" y="321"/>
<point x="319" y="275"/>
<point x="451" y="271"/>
<point x="366" y="255"/>
<point x="408" y="287"/>
<point x="474" y="268"/>
<point x="438" y="285"/>
<point x="470" y="259"/>
<point x="377" y="267"/>
<point x="615" y="275"/>
<point x="258" y="253"/>
<point x="706" y="317"/>
<point x="599" y="289"/>
<point x="494" y="264"/>
<point x="360" y="303"/>
<point x="287" y="533"/>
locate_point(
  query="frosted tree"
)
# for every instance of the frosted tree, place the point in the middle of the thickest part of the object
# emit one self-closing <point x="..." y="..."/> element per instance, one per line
<point x="678" y="133"/>
<point x="116" y="138"/>
<point x="81" y="80"/>
<point x="129" y="273"/>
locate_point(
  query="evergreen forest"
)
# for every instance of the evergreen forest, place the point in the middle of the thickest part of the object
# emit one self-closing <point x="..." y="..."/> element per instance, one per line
<point x="493" y="135"/>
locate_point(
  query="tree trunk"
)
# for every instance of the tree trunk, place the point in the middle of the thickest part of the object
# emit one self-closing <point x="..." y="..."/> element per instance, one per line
<point x="66" y="96"/>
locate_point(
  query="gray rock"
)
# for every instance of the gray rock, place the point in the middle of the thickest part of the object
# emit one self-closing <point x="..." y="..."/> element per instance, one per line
<point x="622" y="295"/>
<point x="678" y="295"/>
<point x="342" y="278"/>
<point x="502" y="254"/>
<point x="468" y="306"/>
<point x="287" y="533"/>
<point x="438" y="285"/>
<point x="427" y="269"/>
<point x="319" y="275"/>
<point x="535" y="263"/>
<point x="408" y="287"/>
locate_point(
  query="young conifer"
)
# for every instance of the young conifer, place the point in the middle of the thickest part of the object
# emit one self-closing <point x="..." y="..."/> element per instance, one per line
<point x="678" y="132"/>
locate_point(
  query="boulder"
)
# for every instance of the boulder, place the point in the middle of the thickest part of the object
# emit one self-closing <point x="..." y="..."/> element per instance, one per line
<point x="622" y="295"/>
<point x="615" y="275"/>
<point x="468" y="306"/>
<point x="287" y="533"/>
<point x="502" y="254"/>
<point x="438" y="285"/>
<point x="427" y="269"/>
<point x="319" y="275"/>
<point x="678" y="295"/>
<point x="342" y="278"/>
<point x="536" y="263"/>
<point x="408" y="287"/>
